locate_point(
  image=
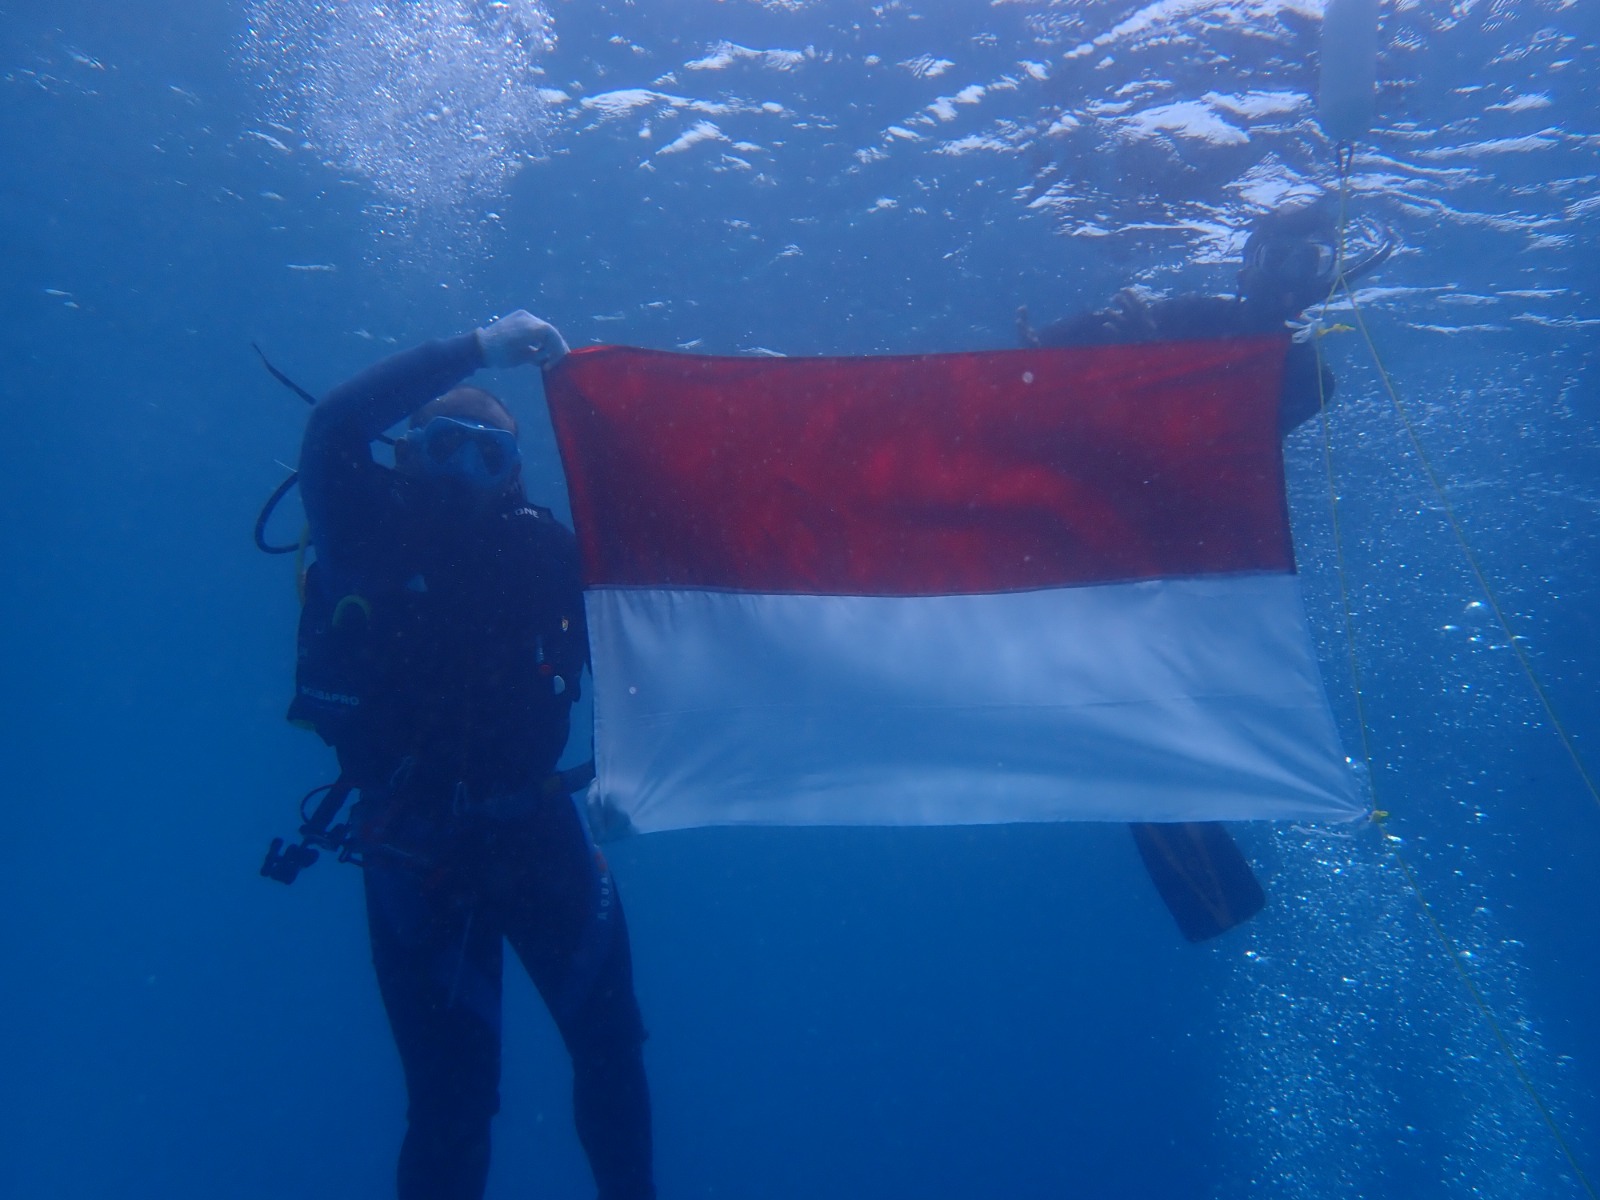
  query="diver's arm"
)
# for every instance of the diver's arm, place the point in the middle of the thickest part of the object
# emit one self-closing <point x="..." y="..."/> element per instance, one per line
<point x="387" y="392"/>
<point x="1085" y="329"/>
<point x="346" y="421"/>
<point x="1130" y="317"/>
<point x="338" y="478"/>
<point x="337" y="450"/>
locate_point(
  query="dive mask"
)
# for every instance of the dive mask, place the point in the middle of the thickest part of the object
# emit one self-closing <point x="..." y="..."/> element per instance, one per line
<point x="1309" y="267"/>
<point x="448" y="448"/>
<point x="1294" y="262"/>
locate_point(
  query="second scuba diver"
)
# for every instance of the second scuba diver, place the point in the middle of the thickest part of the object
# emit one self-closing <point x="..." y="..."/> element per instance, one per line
<point x="1291" y="262"/>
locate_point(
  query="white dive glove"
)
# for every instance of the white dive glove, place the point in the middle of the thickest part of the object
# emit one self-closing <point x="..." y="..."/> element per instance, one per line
<point x="520" y="337"/>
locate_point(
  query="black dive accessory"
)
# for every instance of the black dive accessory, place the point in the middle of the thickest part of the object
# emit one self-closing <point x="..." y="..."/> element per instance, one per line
<point x="317" y="833"/>
<point x="287" y="486"/>
<point x="284" y="488"/>
<point x="1354" y="269"/>
<point x="480" y="456"/>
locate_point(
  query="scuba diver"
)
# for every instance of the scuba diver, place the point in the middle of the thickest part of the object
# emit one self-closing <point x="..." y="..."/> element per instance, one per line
<point x="1291" y="262"/>
<point x="441" y="644"/>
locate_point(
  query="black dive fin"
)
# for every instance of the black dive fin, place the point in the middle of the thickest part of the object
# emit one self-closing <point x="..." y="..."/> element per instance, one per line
<point x="1204" y="880"/>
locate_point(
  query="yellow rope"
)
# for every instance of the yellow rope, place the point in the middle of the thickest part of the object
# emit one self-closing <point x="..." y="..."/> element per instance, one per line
<point x="1512" y="639"/>
<point x="1458" y="960"/>
<point x="1379" y="816"/>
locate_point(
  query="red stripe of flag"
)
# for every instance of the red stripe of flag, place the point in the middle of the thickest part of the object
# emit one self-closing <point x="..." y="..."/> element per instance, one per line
<point x="924" y="475"/>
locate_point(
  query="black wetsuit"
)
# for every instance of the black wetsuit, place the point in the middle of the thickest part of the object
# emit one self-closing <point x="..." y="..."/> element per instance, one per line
<point x="475" y="646"/>
<point x="1183" y="317"/>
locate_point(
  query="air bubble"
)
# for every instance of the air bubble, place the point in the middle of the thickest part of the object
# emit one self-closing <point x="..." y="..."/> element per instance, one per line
<point x="433" y="103"/>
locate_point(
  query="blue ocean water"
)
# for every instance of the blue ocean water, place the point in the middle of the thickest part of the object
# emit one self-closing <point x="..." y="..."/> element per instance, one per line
<point x="971" y="1012"/>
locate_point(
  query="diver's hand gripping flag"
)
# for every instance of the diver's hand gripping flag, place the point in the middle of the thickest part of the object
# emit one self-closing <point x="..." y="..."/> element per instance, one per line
<point x="1026" y="585"/>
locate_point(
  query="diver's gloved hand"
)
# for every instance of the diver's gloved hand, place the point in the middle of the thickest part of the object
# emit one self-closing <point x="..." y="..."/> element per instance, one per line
<point x="520" y="337"/>
<point x="607" y="822"/>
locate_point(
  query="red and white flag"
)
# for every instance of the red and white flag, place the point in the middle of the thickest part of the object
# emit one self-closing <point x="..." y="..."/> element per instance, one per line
<point x="1030" y="585"/>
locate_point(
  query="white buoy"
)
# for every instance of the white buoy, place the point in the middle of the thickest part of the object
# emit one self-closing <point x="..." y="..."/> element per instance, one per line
<point x="1347" y="93"/>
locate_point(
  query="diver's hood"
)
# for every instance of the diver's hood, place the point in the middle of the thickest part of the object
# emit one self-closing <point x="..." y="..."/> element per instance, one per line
<point x="1293" y="272"/>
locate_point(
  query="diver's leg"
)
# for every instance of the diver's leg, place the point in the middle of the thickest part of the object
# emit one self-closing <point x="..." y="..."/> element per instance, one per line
<point x="564" y="919"/>
<point x="438" y="968"/>
<point x="610" y="1096"/>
